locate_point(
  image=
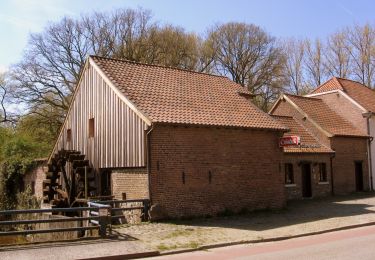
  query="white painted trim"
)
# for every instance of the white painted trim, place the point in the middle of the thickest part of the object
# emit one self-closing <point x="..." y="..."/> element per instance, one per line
<point x="321" y="93"/>
<point x="290" y="185"/>
<point x="119" y="93"/>
<point x="353" y="101"/>
<point x="328" y="134"/>
<point x="275" y="104"/>
<point x="323" y="182"/>
<point x="343" y="94"/>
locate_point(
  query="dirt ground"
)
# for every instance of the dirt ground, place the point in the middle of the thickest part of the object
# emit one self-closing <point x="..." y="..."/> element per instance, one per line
<point x="299" y="217"/>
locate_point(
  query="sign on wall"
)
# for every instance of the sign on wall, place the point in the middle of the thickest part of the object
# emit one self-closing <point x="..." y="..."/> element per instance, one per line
<point x="289" y="141"/>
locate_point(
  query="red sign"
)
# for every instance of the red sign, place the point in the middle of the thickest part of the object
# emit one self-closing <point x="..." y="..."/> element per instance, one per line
<point x="289" y="140"/>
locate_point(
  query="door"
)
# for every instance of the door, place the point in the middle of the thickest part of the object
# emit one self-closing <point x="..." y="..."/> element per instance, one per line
<point x="306" y="180"/>
<point x="105" y="177"/>
<point x="358" y="176"/>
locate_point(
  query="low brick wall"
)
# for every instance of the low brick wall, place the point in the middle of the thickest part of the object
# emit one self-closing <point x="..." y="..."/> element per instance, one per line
<point x="130" y="181"/>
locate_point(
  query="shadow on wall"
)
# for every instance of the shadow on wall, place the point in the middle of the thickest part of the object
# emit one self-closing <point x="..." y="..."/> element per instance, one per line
<point x="297" y="212"/>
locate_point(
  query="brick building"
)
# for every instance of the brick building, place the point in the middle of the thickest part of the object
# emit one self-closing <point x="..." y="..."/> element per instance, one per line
<point x="307" y="167"/>
<point x="192" y="143"/>
<point x="34" y="178"/>
<point x="348" y="169"/>
<point x="356" y="103"/>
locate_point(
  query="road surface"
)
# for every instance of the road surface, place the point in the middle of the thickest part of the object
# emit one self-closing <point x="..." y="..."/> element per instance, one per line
<point x="350" y="244"/>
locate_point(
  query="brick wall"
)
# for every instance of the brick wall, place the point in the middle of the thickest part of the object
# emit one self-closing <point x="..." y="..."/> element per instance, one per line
<point x="132" y="181"/>
<point x="34" y="179"/>
<point x="319" y="189"/>
<point x="342" y="106"/>
<point x="203" y="171"/>
<point x="348" y="150"/>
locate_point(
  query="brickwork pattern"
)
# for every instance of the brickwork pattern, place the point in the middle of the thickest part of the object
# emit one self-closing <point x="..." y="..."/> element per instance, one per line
<point x="349" y="150"/>
<point x="35" y="178"/>
<point x="204" y="171"/>
<point x="319" y="189"/>
<point x="133" y="182"/>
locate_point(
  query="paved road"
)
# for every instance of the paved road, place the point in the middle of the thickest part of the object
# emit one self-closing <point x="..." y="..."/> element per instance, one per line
<point x="349" y="244"/>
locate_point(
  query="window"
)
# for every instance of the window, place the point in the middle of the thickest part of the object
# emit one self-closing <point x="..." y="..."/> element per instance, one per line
<point x="69" y="135"/>
<point x="322" y="172"/>
<point x="289" y="175"/>
<point x="91" y="127"/>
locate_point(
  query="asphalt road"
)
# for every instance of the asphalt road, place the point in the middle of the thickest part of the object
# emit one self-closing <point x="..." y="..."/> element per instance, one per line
<point x="350" y="244"/>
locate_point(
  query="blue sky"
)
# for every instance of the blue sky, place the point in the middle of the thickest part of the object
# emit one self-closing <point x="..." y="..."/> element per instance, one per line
<point x="281" y="18"/>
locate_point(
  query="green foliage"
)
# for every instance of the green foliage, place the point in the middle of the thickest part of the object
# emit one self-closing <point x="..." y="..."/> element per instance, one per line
<point x="19" y="147"/>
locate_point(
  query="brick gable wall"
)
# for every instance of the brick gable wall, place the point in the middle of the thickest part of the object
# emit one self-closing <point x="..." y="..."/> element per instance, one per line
<point x="342" y="106"/>
<point x="286" y="109"/>
<point x="223" y="169"/>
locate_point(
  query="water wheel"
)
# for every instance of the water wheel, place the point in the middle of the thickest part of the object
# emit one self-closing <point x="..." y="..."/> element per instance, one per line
<point x="70" y="180"/>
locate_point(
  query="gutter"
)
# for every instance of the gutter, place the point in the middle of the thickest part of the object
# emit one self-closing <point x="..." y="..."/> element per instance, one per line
<point x="148" y="146"/>
<point x="368" y="115"/>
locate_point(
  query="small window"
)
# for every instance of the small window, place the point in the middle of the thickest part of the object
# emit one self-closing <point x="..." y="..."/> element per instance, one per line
<point x="289" y="175"/>
<point x="91" y="127"/>
<point x="69" y="135"/>
<point x="322" y="172"/>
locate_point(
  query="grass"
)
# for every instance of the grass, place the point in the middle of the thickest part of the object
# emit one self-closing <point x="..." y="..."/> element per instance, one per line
<point x="191" y="244"/>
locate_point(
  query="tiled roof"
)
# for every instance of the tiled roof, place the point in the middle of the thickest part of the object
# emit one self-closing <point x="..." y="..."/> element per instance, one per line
<point x="169" y="95"/>
<point x="325" y="117"/>
<point x="309" y="144"/>
<point x="357" y="91"/>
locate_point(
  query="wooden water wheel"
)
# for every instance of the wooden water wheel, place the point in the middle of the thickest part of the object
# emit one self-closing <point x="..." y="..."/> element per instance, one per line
<point x="70" y="180"/>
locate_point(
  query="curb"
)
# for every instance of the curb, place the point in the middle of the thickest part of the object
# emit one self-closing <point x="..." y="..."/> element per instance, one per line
<point x="125" y="256"/>
<point x="273" y="239"/>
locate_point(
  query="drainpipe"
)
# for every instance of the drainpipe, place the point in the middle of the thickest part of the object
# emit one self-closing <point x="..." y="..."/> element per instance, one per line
<point x="369" y="152"/>
<point x="148" y="144"/>
<point x="332" y="185"/>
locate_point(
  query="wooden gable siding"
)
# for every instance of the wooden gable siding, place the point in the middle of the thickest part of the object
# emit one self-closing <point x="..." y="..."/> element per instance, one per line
<point x="119" y="133"/>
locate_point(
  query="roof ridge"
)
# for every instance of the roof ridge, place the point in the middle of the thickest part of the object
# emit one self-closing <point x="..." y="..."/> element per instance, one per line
<point x="355" y="81"/>
<point x="302" y="97"/>
<point x="321" y="85"/>
<point x="157" y="65"/>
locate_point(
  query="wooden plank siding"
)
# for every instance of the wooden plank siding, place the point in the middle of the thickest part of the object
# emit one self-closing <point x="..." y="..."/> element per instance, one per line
<point x="119" y="132"/>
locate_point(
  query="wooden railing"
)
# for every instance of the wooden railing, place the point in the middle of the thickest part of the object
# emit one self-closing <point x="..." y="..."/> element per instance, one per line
<point x="98" y="215"/>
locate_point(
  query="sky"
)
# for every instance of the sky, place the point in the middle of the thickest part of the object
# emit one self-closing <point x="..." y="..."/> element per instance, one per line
<point x="280" y="18"/>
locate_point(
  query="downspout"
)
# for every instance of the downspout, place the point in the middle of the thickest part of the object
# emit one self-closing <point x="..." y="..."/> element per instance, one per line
<point x="369" y="152"/>
<point x="148" y="145"/>
<point x="332" y="185"/>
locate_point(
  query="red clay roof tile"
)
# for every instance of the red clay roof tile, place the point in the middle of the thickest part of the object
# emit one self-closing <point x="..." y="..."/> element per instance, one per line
<point x="170" y="95"/>
<point x="357" y="91"/>
<point x="324" y="116"/>
<point x="309" y="143"/>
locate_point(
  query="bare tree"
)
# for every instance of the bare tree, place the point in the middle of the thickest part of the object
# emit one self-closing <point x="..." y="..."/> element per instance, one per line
<point x="53" y="60"/>
<point x="294" y="52"/>
<point x="360" y="44"/>
<point x="6" y="116"/>
<point x="337" y="56"/>
<point x="248" y="55"/>
<point x="314" y="63"/>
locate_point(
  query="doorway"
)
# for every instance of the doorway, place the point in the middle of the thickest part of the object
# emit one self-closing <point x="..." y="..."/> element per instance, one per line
<point x="105" y="181"/>
<point x="358" y="176"/>
<point x="306" y="180"/>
